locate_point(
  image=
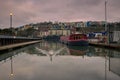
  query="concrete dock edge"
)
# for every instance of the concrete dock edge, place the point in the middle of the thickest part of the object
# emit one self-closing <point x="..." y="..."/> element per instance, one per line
<point x="111" y="46"/>
<point x="17" y="45"/>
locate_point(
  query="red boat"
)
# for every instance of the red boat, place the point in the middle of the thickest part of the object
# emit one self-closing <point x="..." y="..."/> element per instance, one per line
<point x="75" y="39"/>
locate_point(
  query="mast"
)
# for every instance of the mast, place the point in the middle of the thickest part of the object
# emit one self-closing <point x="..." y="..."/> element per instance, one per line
<point x="106" y="26"/>
<point x="105" y="15"/>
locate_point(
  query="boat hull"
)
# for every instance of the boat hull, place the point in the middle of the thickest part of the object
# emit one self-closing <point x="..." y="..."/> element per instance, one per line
<point x="75" y="40"/>
<point x="78" y="43"/>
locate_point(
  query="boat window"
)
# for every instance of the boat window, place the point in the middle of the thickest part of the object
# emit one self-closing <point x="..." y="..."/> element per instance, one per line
<point x="71" y="37"/>
<point x="74" y="37"/>
<point x="77" y="37"/>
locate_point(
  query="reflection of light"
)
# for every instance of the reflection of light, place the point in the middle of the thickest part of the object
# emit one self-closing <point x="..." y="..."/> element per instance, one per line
<point x="11" y="74"/>
<point x="50" y="53"/>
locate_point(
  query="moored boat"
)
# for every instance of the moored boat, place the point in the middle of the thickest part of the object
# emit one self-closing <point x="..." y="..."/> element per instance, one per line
<point x="75" y="40"/>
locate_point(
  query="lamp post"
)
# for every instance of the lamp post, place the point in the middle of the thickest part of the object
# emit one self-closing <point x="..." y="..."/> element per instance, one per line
<point x="11" y="23"/>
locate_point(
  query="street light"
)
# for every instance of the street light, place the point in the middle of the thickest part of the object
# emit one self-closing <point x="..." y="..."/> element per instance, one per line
<point x="11" y="22"/>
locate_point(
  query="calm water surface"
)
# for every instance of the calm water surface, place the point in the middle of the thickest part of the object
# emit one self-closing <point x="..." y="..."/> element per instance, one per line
<point x="54" y="61"/>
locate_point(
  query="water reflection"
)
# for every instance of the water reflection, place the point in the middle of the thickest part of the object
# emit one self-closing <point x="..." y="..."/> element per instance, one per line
<point x="78" y="51"/>
<point x="8" y="57"/>
<point x="114" y="62"/>
<point x="11" y="71"/>
<point x="50" y="53"/>
<point x="68" y="62"/>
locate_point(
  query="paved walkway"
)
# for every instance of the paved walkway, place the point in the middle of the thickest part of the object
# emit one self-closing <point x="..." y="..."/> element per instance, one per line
<point x="17" y="45"/>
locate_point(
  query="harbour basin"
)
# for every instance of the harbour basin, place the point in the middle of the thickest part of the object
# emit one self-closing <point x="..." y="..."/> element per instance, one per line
<point x="55" y="61"/>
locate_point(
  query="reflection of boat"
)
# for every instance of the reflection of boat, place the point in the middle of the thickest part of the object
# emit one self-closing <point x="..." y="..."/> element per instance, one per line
<point x="75" y="39"/>
<point x="77" y="50"/>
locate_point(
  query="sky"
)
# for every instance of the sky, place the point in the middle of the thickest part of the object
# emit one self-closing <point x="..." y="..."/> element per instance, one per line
<point x="34" y="11"/>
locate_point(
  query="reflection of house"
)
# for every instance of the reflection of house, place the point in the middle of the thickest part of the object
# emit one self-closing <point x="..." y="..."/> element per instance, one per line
<point x="98" y="50"/>
<point x="50" y="45"/>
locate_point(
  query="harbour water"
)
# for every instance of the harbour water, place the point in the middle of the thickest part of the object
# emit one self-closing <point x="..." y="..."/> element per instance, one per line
<point x="55" y="61"/>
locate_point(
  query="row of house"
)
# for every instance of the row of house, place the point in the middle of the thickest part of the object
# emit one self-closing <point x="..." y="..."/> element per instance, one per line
<point x="65" y="25"/>
<point x="66" y="28"/>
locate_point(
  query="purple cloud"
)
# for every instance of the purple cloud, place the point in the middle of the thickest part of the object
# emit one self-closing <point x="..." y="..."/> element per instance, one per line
<point x="32" y="11"/>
